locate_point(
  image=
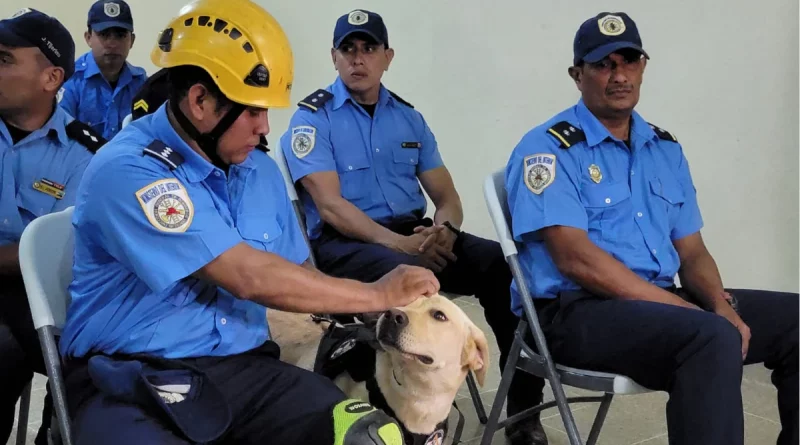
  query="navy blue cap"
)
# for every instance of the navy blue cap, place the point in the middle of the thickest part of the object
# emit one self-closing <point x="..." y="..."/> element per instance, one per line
<point x="106" y="14"/>
<point x="603" y="34"/>
<point x="360" y="21"/>
<point x="29" y="28"/>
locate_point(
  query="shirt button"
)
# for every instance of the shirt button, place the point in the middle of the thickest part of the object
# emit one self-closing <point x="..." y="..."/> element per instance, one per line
<point x="654" y="251"/>
<point x="349" y="167"/>
<point x="632" y="173"/>
<point x="639" y="214"/>
<point x="266" y="235"/>
<point x="608" y="200"/>
<point x="377" y="150"/>
<point x="216" y="174"/>
<point x="223" y="321"/>
<point x="412" y="160"/>
<point x="5" y="221"/>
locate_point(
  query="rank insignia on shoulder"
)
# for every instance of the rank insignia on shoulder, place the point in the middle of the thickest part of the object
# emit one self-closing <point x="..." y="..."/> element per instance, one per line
<point x="141" y="104"/>
<point x="160" y="151"/>
<point x="315" y="100"/>
<point x="400" y="99"/>
<point x="567" y="134"/>
<point x="49" y="187"/>
<point x="85" y="136"/>
<point x="664" y="134"/>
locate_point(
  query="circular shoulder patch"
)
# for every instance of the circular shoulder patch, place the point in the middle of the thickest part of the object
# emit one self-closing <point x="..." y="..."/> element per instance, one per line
<point x="437" y="438"/>
<point x="303" y="139"/>
<point x="166" y="205"/>
<point x="539" y="171"/>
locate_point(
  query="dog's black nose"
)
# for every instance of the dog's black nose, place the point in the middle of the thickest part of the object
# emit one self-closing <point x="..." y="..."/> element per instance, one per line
<point x="397" y="317"/>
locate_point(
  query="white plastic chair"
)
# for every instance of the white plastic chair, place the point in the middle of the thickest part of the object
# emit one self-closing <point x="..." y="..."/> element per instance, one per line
<point x="523" y="358"/>
<point x="280" y="159"/>
<point x="45" y="258"/>
<point x="127" y="120"/>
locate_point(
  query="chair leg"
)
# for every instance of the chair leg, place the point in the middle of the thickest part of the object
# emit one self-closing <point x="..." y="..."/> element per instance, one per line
<point x="476" y="398"/>
<point x="599" y="419"/>
<point x="502" y="392"/>
<point x="22" y="418"/>
<point x="52" y="361"/>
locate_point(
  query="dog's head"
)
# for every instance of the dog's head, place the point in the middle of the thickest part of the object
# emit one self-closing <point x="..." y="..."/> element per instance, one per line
<point x="433" y="337"/>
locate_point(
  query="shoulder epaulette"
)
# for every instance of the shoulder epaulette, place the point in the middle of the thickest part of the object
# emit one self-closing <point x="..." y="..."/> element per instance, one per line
<point x="151" y="95"/>
<point x="316" y="100"/>
<point x="263" y="145"/>
<point x="400" y="99"/>
<point x="664" y="134"/>
<point x="168" y="156"/>
<point x="84" y="134"/>
<point x="567" y="134"/>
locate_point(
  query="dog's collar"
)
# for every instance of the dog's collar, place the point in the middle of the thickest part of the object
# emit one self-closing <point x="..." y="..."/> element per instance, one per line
<point x="377" y="400"/>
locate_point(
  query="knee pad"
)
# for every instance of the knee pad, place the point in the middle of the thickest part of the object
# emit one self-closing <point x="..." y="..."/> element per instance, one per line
<point x="358" y="423"/>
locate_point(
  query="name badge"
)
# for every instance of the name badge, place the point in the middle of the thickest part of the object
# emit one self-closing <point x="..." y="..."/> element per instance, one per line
<point x="49" y="187"/>
<point x="411" y="145"/>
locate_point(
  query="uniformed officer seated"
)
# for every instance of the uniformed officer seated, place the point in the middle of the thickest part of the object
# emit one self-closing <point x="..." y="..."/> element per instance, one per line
<point x="183" y="234"/>
<point x="359" y="153"/>
<point x="43" y="153"/>
<point x="605" y="207"/>
<point x="102" y="89"/>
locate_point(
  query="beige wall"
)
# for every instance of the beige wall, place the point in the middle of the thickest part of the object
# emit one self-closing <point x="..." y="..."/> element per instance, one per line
<point x="723" y="77"/>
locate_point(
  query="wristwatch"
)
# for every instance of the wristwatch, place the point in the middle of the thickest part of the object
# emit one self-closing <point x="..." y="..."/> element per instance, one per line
<point x="452" y="228"/>
<point x="734" y="302"/>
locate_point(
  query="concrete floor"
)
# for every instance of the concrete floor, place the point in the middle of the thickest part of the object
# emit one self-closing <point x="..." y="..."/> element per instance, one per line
<point x="632" y="420"/>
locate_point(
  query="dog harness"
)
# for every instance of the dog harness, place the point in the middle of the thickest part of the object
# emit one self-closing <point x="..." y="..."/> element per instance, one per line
<point x="352" y="348"/>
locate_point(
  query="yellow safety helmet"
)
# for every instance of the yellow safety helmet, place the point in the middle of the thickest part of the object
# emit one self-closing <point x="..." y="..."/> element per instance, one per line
<point x="238" y="43"/>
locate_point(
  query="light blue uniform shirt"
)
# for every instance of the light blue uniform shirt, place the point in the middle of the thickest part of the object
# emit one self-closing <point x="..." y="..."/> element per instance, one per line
<point x="88" y="96"/>
<point x="377" y="158"/>
<point x="633" y="203"/>
<point x="142" y="229"/>
<point x="46" y="155"/>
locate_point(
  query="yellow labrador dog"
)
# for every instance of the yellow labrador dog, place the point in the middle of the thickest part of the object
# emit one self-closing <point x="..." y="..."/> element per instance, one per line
<point x="426" y="350"/>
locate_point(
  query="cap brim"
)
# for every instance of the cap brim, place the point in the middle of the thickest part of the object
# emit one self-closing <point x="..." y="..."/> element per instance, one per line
<point x="602" y="51"/>
<point x="11" y="39"/>
<point x="100" y="27"/>
<point x="341" y="39"/>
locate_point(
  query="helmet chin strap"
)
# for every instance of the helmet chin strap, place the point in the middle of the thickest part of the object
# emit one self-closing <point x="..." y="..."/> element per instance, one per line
<point x="208" y="141"/>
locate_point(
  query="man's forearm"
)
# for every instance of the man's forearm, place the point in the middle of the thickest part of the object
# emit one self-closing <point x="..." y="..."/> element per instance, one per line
<point x="9" y="259"/>
<point x="449" y="211"/>
<point x="700" y="277"/>
<point x="599" y="273"/>
<point x="350" y="221"/>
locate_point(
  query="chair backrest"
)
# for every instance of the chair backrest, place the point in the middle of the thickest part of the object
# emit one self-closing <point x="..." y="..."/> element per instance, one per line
<point x="127" y="120"/>
<point x="280" y="159"/>
<point x="45" y="258"/>
<point x="494" y="192"/>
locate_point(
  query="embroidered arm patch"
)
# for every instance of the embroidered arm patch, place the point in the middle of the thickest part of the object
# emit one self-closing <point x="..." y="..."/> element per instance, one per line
<point x="167" y="205"/>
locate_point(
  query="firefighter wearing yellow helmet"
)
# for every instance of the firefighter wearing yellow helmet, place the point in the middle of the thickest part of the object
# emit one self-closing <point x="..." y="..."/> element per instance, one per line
<point x="184" y="234"/>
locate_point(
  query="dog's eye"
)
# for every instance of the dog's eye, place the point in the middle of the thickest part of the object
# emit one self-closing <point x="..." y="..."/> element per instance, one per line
<point x="439" y="315"/>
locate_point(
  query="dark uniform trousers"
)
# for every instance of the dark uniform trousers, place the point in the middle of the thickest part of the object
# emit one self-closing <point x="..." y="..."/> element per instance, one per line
<point x="480" y="270"/>
<point x="20" y="355"/>
<point x="268" y="402"/>
<point x="693" y="355"/>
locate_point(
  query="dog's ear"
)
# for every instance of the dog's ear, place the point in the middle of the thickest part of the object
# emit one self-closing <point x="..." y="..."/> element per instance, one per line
<point x="476" y="353"/>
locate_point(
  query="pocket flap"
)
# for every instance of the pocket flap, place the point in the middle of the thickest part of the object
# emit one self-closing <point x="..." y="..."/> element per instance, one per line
<point x="667" y="190"/>
<point x="260" y="227"/>
<point x="605" y="195"/>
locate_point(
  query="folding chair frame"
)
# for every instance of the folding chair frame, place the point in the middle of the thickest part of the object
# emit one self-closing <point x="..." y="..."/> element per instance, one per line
<point x="523" y="358"/>
<point x="34" y="265"/>
<point x="280" y="159"/>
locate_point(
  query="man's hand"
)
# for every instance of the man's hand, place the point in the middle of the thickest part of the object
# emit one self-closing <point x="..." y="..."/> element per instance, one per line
<point x="433" y="257"/>
<point x="405" y="284"/>
<point x="438" y="234"/>
<point x="726" y="310"/>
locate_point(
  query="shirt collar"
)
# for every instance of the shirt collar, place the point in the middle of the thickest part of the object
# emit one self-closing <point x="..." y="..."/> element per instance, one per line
<point x="195" y="166"/>
<point x="341" y="94"/>
<point x="55" y="127"/>
<point x="596" y="132"/>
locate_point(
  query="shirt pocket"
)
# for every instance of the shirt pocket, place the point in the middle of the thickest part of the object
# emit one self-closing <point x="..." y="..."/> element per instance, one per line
<point x="606" y="206"/>
<point x="261" y="231"/>
<point x="34" y="202"/>
<point x="354" y="175"/>
<point x="668" y="198"/>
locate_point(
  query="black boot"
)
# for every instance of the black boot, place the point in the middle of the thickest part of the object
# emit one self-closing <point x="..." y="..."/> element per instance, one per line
<point x="529" y="431"/>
